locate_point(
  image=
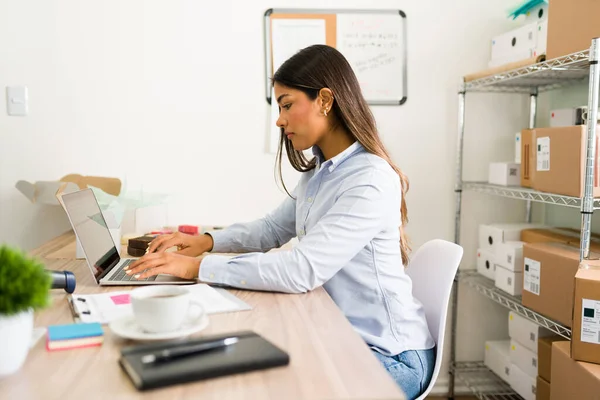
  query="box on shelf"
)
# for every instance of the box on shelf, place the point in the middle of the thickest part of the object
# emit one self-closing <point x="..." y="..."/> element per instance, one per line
<point x="572" y="24"/>
<point x="504" y="174"/>
<point x="497" y="358"/>
<point x="515" y="45"/>
<point x="545" y="355"/>
<point x="549" y="277"/>
<point x="526" y="332"/>
<point x="538" y="13"/>
<point x="542" y="38"/>
<point x="569" y="117"/>
<point x="522" y="383"/>
<point x="528" y="154"/>
<point x="509" y="255"/>
<point x="486" y="264"/>
<point x="491" y="235"/>
<point x="585" y="339"/>
<point x="560" y="161"/>
<point x="572" y="379"/>
<point x="525" y="359"/>
<point x="509" y="281"/>
<point x="542" y="389"/>
<point x="518" y="149"/>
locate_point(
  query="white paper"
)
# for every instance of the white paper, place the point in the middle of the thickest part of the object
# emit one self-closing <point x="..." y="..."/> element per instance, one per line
<point x="291" y="35"/>
<point x="590" y="321"/>
<point x="106" y="307"/>
<point x="373" y="45"/>
<point x="543" y="154"/>
<point x="532" y="276"/>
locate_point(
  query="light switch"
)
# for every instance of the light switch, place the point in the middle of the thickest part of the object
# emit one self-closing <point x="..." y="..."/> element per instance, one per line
<point x="16" y="100"/>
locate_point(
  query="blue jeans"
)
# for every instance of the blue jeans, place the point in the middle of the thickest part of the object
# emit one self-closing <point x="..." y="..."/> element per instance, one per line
<point x="411" y="369"/>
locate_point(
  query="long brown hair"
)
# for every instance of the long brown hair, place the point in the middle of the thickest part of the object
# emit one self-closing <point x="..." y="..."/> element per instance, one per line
<point x="321" y="66"/>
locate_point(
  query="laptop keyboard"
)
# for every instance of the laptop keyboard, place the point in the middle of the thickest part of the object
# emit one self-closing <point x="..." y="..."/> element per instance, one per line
<point x="120" y="275"/>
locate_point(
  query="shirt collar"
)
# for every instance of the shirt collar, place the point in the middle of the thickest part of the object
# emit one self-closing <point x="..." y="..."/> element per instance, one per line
<point x="339" y="158"/>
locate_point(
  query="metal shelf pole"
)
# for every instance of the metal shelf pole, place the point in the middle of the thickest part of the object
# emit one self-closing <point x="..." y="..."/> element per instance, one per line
<point x="533" y="97"/>
<point x="458" y="193"/>
<point x="587" y="202"/>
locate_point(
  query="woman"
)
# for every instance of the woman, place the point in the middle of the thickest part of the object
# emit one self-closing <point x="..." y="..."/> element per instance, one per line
<point x="346" y="212"/>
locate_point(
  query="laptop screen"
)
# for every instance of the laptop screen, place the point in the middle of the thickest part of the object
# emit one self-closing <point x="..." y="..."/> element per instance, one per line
<point x="90" y="227"/>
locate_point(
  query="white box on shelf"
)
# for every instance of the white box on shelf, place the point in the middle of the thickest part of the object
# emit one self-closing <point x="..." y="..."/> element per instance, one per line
<point x="525" y="359"/>
<point x="509" y="281"/>
<point x="526" y="332"/>
<point x="490" y="235"/>
<point x="505" y="174"/>
<point x="513" y="44"/>
<point x="496" y="62"/>
<point x="486" y="264"/>
<point x="522" y="383"/>
<point x="497" y="358"/>
<point x="518" y="148"/>
<point x="537" y="14"/>
<point x="542" y="38"/>
<point x="509" y="255"/>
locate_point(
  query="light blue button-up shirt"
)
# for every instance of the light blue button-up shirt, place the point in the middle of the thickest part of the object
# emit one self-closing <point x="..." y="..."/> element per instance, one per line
<point x="346" y="215"/>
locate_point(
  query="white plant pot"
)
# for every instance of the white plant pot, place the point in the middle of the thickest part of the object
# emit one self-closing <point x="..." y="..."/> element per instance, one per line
<point x="15" y="339"/>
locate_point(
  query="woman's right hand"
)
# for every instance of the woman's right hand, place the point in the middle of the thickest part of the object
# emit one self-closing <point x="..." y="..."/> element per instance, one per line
<point x="187" y="245"/>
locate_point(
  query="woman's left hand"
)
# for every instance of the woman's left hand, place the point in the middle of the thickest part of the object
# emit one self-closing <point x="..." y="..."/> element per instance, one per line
<point x="165" y="263"/>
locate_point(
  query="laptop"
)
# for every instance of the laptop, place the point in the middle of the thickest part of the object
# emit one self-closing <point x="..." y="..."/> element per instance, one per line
<point x="100" y="251"/>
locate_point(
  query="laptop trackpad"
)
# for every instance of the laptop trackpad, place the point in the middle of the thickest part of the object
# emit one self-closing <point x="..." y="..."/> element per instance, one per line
<point x="168" y="278"/>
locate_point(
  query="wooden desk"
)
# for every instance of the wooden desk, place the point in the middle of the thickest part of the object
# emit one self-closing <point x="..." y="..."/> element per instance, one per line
<point x="328" y="360"/>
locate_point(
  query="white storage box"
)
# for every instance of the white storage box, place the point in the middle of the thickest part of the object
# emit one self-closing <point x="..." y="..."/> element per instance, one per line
<point x="514" y="44"/>
<point x="509" y="255"/>
<point x="509" y="281"/>
<point x="522" y="383"/>
<point x="537" y="14"/>
<point x="505" y="174"/>
<point x="490" y="235"/>
<point x="525" y="331"/>
<point x="525" y="359"/>
<point x="518" y="148"/>
<point x="486" y="264"/>
<point x="497" y="358"/>
<point x="542" y="38"/>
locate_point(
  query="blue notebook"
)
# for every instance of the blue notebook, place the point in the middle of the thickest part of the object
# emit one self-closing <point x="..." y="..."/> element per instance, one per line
<point x="74" y="331"/>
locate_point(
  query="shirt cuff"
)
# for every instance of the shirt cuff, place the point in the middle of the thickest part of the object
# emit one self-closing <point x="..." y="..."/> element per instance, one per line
<point x="221" y="241"/>
<point x="212" y="269"/>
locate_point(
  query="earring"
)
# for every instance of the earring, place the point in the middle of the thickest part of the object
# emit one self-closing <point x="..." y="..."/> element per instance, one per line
<point x="325" y="112"/>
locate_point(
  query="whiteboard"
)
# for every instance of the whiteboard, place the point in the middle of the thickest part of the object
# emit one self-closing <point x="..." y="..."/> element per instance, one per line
<point x="373" y="42"/>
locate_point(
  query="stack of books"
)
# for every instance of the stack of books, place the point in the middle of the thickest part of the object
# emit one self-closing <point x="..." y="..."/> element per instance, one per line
<point x="71" y="336"/>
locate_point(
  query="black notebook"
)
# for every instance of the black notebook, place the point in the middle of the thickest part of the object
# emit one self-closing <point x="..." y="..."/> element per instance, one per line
<point x="251" y="352"/>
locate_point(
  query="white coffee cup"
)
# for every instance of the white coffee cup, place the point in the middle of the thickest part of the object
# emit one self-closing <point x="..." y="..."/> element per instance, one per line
<point x="163" y="308"/>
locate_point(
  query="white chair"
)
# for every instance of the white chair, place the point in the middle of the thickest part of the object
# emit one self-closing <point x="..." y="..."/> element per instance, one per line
<point x="432" y="269"/>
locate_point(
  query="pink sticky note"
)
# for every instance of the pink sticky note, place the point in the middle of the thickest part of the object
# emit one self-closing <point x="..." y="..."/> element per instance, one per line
<point x="120" y="299"/>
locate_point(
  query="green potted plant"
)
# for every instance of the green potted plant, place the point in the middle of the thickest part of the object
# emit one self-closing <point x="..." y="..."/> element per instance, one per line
<point x="24" y="288"/>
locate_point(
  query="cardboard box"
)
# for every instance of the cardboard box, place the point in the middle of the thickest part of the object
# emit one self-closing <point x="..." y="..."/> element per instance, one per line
<point x="560" y="235"/>
<point x="572" y="24"/>
<point x="528" y="154"/>
<point x="560" y="161"/>
<point x="497" y="358"/>
<point x="509" y="255"/>
<point x="545" y="355"/>
<point x="526" y="332"/>
<point x="572" y="379"/>
<point x="491" y="235"/>
<point x="549" y="279"/>
<point x="486" y="264"/>
<point x="522" y="383"/>
<point x="525" y="359"/>
<point x="542" y="389"/>
<point x="509" y="281"/>
<point x="504" y="174"/>
<point x="585" y="340"/>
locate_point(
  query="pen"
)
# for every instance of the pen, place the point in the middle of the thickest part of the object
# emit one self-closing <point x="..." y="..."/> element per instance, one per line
<point x="178" y="352"/>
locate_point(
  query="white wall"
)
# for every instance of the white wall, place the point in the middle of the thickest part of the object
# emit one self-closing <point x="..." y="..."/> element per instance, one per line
<point x="170" y="95"/>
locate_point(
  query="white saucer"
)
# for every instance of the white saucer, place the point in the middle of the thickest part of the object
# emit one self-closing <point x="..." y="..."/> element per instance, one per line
<point x="127" y="327"/>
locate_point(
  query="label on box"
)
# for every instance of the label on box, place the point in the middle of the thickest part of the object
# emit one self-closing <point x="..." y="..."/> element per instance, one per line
<point x="590" y="321"/>
<point x="543" y="154"/>
<point x="531" y="282"/>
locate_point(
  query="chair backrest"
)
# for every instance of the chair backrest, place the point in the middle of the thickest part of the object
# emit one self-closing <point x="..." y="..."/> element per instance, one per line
<point x="432" y="269"/>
